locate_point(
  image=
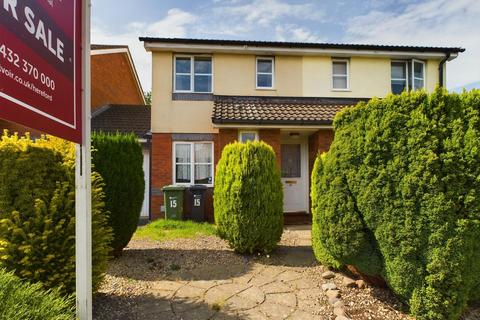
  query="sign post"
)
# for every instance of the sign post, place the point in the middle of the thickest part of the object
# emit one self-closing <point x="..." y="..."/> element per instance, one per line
<point x="45" y="85"/>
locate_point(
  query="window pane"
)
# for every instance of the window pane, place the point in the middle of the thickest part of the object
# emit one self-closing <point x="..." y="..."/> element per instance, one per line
<point x="398" y="70"/>
<point x="182" y="173"/>
<point x="418" y="70"/>
<point x="418" y="84"/>
<point x="203" y="84"/>
<point x="203" y="65"/>
<point x="203" y="153"/>
<point x="247" y="136"/>
<point x="398" y="86"/>
<point x="203" y="173"/>
<point x="182" y="65"/>
<point x="339" y="82"/>
<point x="182" y="153"/>
<point x="339" y="67"/>
<point x="264" y="81"/>
<point x="264" y="66"/>
<point x="291" y="167"/>
<point x="182" y="83"/>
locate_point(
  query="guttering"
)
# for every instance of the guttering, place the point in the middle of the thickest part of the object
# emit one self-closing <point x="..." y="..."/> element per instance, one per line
<point x="441" y="75"/>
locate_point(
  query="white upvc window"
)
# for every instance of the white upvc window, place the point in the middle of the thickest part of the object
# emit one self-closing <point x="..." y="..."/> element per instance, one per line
<point x="265" y="73"/>
<point x="407" y="75"/>
<point x="340" y="75"/>
<point x="247" y="135"/>
<point x="418" y="74"/>
<point x="193" y="74"/>
<point x="193" y="163"/>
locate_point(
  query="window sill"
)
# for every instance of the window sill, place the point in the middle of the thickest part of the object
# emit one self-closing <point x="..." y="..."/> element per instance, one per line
<point x="192" y="96"/>
<point x="341" y="90"/>
<point x="266" y="89"/>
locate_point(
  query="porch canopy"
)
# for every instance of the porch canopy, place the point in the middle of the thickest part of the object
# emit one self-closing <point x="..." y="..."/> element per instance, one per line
<point x="284" y="111"/>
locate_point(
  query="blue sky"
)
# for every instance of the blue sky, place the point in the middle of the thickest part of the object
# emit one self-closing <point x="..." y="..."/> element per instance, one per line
<point x="407" y="22"/>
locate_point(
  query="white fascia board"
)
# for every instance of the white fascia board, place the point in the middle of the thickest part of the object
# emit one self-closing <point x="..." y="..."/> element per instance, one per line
<point x="96" y="52"/>
<point x="199" y="48"/>
<point x="271" y="126"/>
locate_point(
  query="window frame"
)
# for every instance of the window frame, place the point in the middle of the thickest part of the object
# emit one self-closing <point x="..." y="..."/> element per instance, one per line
<point x="240" y="132"/>
<point x="347" y="76"/>
<point x="405" y="62"/>
<point x="192" y="73"/>
<point x="192" y="163"/>
<point x="272" y="59"/>
<point x="424" y="65"/>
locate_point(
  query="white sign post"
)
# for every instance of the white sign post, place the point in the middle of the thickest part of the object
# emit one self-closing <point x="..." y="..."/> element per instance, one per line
<point x="83" y="195"/>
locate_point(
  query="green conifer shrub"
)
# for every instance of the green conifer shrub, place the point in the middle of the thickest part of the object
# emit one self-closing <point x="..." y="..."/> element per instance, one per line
<point x="398" y="196"/>
<point x="119" y="160"/>
<point x="248" y="197"/>
<point x="37" y="213"/>
<point x="21" y="300"/>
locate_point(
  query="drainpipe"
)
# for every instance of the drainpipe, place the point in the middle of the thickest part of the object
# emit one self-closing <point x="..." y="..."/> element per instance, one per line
<point x="440" y="69"/>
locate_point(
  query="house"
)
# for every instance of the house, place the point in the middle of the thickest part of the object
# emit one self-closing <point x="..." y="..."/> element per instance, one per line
<point x="208" y="93"/>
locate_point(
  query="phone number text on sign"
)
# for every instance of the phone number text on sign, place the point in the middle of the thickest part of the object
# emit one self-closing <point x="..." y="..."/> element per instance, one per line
<point x="26" y="67"/>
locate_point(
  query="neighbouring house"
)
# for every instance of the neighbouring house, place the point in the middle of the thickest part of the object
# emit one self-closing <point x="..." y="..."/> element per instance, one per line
<point x="208" y="93"/>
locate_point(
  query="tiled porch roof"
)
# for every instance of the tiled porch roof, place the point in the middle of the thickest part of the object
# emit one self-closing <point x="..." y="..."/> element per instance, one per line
<point x="278" y="110"/>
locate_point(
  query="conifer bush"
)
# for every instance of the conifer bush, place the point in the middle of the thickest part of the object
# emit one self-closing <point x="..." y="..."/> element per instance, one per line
<point x="398" y="196"/>
<point x="248" y="197"/>
<point x="119" y="160"/>
<point x="20" y="300"/>
<point x="37" y="213"/>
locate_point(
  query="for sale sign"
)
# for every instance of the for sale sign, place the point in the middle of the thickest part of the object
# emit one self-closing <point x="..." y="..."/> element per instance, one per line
<point x="40" y="65"/>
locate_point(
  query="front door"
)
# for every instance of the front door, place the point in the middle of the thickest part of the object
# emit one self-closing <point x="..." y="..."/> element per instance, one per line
<point x="294" y="177"/>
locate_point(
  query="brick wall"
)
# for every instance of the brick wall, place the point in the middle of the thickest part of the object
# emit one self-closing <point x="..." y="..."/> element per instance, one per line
<point x="272" y="137"/>
<point x="161" y="171"/>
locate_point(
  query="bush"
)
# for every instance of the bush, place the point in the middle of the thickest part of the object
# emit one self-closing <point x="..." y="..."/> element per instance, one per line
<point x="21" y="300"/>
<point x="397" y="196"/>
<point x="119" y="160"/>
<point x="248" y="197"/>
<point x="37" y="213"/>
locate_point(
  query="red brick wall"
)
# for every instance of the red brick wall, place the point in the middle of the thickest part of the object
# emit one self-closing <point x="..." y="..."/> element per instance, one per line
<point x="113" y="81"/>
<point x="272" y="137"/>
<point x="318" y="143"/>
<point x="161" y="171"/>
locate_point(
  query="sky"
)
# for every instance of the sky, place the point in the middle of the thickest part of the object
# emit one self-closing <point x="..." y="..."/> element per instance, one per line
<point x="399" y="22"/>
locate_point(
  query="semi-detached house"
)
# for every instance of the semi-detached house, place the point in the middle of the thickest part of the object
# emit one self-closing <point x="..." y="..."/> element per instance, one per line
<point x="208" y="93"/>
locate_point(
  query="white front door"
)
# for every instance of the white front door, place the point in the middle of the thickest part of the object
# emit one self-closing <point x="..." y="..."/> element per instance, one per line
<point x="294" y="176"/>
<point x="146" y="174"/>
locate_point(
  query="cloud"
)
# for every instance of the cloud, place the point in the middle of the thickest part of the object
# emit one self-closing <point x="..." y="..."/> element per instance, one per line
<point x="265" y="12"/>
<point x="175" y="24"/>
<point x="434" y="23"/>
<point x="291" y="32"/>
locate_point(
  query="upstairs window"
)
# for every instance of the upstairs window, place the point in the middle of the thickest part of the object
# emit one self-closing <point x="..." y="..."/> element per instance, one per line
<point x="407" y="75"/>
<point x="193" y="74"/>
<point x="340" y="74"/>
<point x="265" y="73"/>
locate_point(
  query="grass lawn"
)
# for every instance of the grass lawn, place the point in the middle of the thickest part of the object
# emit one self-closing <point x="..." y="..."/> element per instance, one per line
<point x="160" y="230"/>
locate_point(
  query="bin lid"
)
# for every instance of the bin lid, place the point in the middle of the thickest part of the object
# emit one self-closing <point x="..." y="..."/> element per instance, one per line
<point x="198" y="187"/>
<point x="173" y="188"/>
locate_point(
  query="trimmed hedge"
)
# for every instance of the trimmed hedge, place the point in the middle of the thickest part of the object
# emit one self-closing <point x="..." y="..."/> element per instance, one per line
<point x="248" y="197"/>
<point x="37" y="213"/>
<point x="21" y="300"/>
<point x="119" y="160"/>
<point x="398" y="196"/>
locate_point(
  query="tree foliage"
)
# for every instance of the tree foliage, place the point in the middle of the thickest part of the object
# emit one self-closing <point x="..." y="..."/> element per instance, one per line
<point x="248" y="197"/>
<point x="398" y="195"/>
<point x="119" y="160"/>
<point x="37" y="213"/>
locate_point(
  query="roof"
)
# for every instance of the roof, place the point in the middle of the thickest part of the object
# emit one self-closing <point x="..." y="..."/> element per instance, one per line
<point x="303" y="45"/>
<point x="123" y="119"/>
<point x="107" y="46"/>
<point x="278" y="110"/>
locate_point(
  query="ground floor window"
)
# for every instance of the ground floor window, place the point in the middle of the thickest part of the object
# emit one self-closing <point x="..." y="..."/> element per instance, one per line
<point x="193" y="163"/>
<point x="244" y="136"/>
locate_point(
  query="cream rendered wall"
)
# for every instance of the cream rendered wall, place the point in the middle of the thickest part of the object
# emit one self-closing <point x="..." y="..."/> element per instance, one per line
<point x="234" y="74"/>
<point x="175" y="116"/>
